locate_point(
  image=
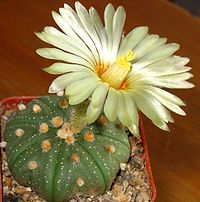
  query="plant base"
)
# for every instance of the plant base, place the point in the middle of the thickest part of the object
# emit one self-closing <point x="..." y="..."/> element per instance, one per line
<point x="134" y="182"/>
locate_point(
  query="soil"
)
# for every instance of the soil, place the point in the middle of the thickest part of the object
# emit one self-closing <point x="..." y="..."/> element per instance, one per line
<point x="131" y="184"/>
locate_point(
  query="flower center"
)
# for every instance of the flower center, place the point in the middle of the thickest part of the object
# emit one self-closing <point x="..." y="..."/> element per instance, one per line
<point x="116" y="73"/>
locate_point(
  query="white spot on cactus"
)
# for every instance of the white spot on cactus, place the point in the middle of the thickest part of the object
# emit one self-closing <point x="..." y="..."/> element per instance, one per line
<point x="57" y="121"/>
<point x="46" y="146"/>
<point x="80" y="182"/>
<point x="32" y="165"/>
<point x="44" y="128"/>
<point x="110" y="149"/>
<point x="19" y="132"/>
<point x="36" y="108"/>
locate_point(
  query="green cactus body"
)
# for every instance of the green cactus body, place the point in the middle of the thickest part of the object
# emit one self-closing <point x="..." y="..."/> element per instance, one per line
<point x="46" y="154"/>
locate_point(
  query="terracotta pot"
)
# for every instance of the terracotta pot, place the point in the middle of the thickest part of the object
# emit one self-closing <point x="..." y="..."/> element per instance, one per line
<point x="12" y="102"/>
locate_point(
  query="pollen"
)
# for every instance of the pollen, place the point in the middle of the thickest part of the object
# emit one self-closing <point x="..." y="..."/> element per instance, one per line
<point x="102" y="120"/>
<point x="129" y="56"/>
<point x="125" y="62"/>
<point x="70" y="140"/>
<point x="89" y="137"/>
<point x="46" y="146"/>
<point x="75" y="158"/>
<point x="19" y="132"/>
<point x="32" y="165"/>
<point x="44" y="128"/>
<point x="110" y="149"/>
<point x="57" y="121"/>
<point x="80" y="182"/>
<point x="36" y="108"/>
<point x="115" y="74"/>
<point x="63" y="103"/>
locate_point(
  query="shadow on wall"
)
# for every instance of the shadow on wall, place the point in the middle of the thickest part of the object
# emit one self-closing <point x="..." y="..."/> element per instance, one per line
<point x="193" y="6"/>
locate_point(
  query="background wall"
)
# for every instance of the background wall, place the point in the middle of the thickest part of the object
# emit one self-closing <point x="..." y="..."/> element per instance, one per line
<point x="191" y="5"/>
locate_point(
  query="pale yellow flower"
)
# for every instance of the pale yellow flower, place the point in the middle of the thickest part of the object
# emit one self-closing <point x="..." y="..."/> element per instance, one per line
<point x="120" y="75"/>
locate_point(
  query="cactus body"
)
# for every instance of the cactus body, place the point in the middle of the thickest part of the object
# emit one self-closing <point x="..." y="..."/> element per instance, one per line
<point x="46" y="154"/>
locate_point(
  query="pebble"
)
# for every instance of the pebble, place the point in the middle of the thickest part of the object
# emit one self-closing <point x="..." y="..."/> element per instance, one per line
<point x="122" y="166"/>
<point x="21" y="190"/>
<point x="117" y="189"/>
<point x="3" y="144"/>
<point x="8" y="181"/>
<point x="21" y="106"/>
<point x="142" y="197"/>
<point x="136" y="163"/>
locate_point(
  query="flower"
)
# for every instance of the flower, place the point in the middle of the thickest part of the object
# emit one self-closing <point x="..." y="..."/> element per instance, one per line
<point x="120" y="75"/>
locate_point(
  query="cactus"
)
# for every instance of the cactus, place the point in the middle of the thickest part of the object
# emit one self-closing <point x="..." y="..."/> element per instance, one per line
<point x="47" y="150"/>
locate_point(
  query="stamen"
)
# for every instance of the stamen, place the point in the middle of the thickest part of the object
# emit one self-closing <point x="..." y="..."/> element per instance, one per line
<point x="129" y="55"/>
<point x="117" y="72"/>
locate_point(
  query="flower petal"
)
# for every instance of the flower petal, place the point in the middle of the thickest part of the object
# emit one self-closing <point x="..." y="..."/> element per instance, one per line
<point x="61" y="82"/>
<point x="173" y="84"/>
<point x="165" y="95"/>
<point x="151" y="108"/>
<point x="161" y="53"/>
<point x="101" y="33"/>
<point x="122" y="111"/>
<point x="147" y="45"/>
<point x="99" y="95"/>
<point x="170" y="105"/>
<point x="60" y="68"/>
<point x="62" y="41"/>
<point x="82" y="95"/>
<point x="56" y="54"/>
<point x="97" y="101"/>
<point x="111" y="104"/>
<point x="134" y="130"/>
<point x="132" y="109"/>
<point x="132" y="39"/>
<point x="82" y="85"/>
<point x="142" y="79"/>
<point x="166" y="67"/>
<point x="74" y="21"/>
<point x="118" y="25"/>
<point x="93" y="113"/>
<point x="76" y="99"/>
<point x="89" y="27"/>
<point x="108" y="19"/>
